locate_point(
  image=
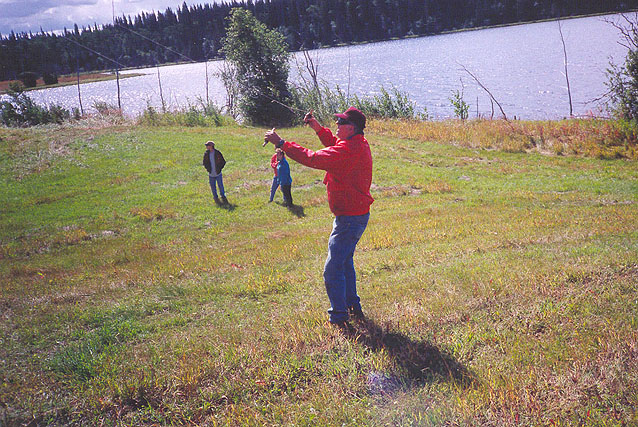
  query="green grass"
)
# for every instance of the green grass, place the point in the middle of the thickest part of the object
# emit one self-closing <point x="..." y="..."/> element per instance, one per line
<point x="500" y="287"/>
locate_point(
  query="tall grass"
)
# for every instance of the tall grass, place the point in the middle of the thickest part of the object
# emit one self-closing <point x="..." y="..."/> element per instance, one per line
<point x="605" y="139"/>
<point x="325" y="101"/>
<point x="200" y="114"/>
<point x="499" y="283"/>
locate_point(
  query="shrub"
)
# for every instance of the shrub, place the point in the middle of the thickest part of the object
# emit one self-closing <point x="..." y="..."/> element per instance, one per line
<point x="259" y="57"/>
<point x="21" y="110"/>
<point x="105" y="109"/>
<point x="28" y="78"/>
<point x="325" y="102"/>
<point x="57" y="114"/>
<point x="461" y="108"/>
<point x="623" y="80"/>
<point x="194" y="115"/>
<point x="50" y="78"/>
<point x="149" y="116"/>
<point x="312" y="93"/>
<point x="386" y="105"/>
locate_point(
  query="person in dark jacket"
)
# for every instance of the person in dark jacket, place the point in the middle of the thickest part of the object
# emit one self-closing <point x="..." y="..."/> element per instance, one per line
<point x="214" y="163"/>
<point x="347" y="160"/>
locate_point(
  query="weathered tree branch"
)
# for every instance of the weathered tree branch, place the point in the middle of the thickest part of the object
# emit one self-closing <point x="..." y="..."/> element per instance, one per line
<point x="569" y="92"/>
<point x="486" y="90"/>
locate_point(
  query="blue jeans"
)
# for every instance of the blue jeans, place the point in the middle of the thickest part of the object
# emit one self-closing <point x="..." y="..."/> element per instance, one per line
<point x="273" y="188"/>
<point x="220" y="182"/>
<point x="338" y="273"/>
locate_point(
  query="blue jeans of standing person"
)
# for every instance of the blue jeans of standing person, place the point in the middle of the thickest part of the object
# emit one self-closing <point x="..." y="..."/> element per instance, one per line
<point x="273" y="188"/>
<point x="219" y="181"/>
<point x="338" y="274"/>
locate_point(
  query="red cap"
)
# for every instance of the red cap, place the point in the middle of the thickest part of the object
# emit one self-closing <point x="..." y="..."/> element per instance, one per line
<point x="354" y="116"/>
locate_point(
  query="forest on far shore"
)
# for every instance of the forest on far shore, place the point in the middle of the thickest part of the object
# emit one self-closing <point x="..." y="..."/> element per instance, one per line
<point x="195" y="33"/>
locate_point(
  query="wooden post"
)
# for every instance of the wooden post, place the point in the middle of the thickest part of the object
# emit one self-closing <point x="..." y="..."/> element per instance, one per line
<point x="159" y="81"/>
<point x="207" y="101"/>
<point x="77" y="70"/>
<point x="117" y="78"/>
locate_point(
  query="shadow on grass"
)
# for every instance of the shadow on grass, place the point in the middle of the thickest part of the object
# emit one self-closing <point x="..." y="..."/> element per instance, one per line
<point x="421" y="360"/>
<point x="296" y="210"/>
<point x="228" y="206"/>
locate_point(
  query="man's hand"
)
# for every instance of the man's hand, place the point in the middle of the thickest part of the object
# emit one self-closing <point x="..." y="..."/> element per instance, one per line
<point x="310" y="120"/>
<point x="271" y="136"/>
<point x="308" y="116"/>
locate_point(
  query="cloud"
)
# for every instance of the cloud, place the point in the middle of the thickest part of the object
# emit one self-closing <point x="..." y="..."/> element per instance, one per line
<point x="52" y="15"/>
<point x="26" y="8"/>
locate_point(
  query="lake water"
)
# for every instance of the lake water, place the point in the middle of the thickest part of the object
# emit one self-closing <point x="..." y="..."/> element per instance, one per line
<point x="522" y="66"/>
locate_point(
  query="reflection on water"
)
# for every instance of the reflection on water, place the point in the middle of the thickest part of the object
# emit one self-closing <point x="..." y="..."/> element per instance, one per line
<point x="522" y="66"/>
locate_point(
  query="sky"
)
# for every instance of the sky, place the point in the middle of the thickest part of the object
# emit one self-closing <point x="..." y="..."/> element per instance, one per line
<point x="53" y="15"/>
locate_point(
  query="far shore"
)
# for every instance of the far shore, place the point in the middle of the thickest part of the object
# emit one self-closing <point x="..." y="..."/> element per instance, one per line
<point x="69" y="79"/>
<point x="95" y="76"/>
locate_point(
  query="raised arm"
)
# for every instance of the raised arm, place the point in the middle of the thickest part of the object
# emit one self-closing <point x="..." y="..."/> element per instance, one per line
<point x="325" y="135"/>
<point x="327" y="159"/>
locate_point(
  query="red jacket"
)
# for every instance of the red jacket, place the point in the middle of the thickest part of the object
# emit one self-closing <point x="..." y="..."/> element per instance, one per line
<point x="348" y="166"/>
<point x="273" y="163"/>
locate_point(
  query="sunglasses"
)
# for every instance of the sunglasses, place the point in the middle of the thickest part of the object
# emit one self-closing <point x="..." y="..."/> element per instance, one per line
<point x="341" y="121"/>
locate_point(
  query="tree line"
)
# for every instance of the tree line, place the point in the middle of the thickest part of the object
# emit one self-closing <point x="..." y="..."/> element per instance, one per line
<point x="196" y="32"/>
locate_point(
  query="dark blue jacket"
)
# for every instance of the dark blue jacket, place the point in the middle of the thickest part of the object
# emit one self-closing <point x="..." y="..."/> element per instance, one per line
<point x="283" y="172"/>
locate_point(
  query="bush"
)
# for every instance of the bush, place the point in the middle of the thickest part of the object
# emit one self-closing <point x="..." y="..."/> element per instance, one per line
<point x="461" y="108"/>
<point x="28" y="78"/>
<point x="106" y="109"/>
<point x="623" y="80"/>
<point x="20" y="110"/>
<point x="312" y="93"/>
<point x="50" y="78"/>
<point x="149" y="116"/>
<point x="623" y="89"/>
<point x="395" y="105"/>
<point x="57" y="114"/>
<point x="194" y="115"/>
<point x="326" y="102"/>
<point x="259" y="58"/>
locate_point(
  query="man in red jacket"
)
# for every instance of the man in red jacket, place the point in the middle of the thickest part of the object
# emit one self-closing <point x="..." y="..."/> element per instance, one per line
<point x="347" y="161"/>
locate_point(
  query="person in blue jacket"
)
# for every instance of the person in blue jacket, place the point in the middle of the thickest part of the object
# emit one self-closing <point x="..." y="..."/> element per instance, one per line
<point x="275" y="179"/>
<point x="283" y="175"/>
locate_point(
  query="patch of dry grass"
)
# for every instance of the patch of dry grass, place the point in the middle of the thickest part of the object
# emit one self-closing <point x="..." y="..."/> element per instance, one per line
<point x="586" y="137"/>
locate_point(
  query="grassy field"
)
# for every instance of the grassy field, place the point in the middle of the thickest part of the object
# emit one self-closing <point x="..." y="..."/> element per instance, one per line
<point x="500" y="286"/>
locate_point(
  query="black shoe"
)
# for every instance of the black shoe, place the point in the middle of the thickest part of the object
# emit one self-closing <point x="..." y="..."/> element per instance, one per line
<point x="217" y="201"/>
<point x="225" y="200"/>
<point x="356" y="313"/>
<point x="344" y="326"/>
